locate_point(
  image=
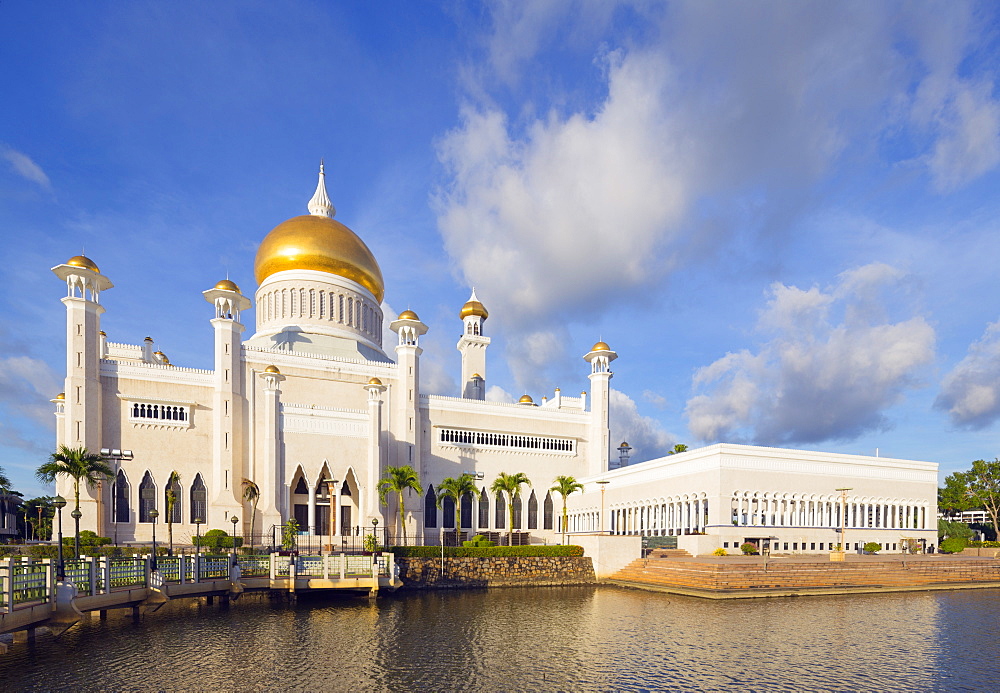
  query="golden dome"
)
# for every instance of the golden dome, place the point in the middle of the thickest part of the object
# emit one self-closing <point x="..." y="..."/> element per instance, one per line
<point x="313" y="242"/>
<point x="624" y="445"/>
<point x="227" y="285"/>
<point x="272" y="369"/>
<point x="374" y="381"/>
<point x="61" y="395"/>
<point x="476" y="375"/>
<point x="601" y="346"/>
<point x="83" y="261"/>
<point x="473" y="308"/>
<point x="407" y="315"/>
<point x="525" y="399"/>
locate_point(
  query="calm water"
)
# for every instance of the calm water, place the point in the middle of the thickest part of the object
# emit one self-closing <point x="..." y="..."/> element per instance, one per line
<point x="565" y="639"/>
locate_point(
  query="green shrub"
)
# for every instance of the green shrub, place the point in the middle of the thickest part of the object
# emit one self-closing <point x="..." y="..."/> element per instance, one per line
<point x="984" y="544"/>
<point x="748" y="549"/>
<point x="872" y="547"/>
<point x="479" y="540"/>
<point x="953" y="545"/>
<point x="217" y="539"/>
<point x="720" y="552"/>
<point x="485" y="551"/>
<point x="88" y="538"/>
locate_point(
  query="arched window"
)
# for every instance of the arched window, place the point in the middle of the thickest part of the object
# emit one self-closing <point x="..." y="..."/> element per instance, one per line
<point x="172" y="502"/>
<point x="516" y="520"/>
<point x="121" y="492"/>
<point x="448" y="512"/>
<point x="147" y="497"/>
<point x="500" y="516"/>
<point x="547" y="512"/>
<point x="199" y="500"/>
<point x="532" y="511"/>
<point x="484" y="509"/>
<point x="430" y="508"/>
<point x="467" y="510"/>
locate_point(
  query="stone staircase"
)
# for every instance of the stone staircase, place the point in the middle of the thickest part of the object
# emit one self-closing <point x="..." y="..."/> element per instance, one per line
<point x="737" y="577"/>
<point x="669" y="553"/>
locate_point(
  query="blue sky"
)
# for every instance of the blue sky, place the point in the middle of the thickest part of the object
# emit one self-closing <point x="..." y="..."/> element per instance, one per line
<point x="782" y="216"/>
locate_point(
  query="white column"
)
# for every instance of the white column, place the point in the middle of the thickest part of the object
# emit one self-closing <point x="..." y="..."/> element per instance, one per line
<point x="312" y="509"/>
<point x="272" y="486"/>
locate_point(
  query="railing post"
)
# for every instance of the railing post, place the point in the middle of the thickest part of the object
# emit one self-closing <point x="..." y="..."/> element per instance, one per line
<point x="326" y="567"/>
<point x="148" y="571"/>
<point x="9" y="586"/>
<point x="343" y="567"/>
<point x="197" y="567"/>
<point x="105" y="568"/>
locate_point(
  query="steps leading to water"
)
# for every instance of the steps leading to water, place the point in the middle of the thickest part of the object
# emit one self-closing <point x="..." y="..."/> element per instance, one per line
<point x="777" y="577"/>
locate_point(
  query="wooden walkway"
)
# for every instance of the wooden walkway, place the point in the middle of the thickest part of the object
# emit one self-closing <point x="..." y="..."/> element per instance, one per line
<point x="30" y="595"/>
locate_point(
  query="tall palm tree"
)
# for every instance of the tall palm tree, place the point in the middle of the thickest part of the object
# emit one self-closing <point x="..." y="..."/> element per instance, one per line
<point x="4" y="481"/>
<point x="170" y="500"/>
<point x="455" y="489"/>
<point x="510" y="484"/>
<point x="80" y="465"/>
<point x="566" y="485"/>
<point x="678" y="449"/>
<point x="251" y="494"/>
<point x="397" y="480"/>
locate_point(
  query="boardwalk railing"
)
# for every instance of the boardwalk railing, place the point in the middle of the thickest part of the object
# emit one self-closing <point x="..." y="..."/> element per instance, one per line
<point x="28" y="582"/>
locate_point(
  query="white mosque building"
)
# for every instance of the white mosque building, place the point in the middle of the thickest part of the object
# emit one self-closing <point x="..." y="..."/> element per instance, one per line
<point x="312" y="409"/>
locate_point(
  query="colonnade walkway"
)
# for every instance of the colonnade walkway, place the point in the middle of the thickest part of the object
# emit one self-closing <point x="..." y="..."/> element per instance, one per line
<point x="31" y="595"/>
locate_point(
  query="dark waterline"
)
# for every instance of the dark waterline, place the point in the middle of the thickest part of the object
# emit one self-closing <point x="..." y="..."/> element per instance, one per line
<point x="581" y="638"/>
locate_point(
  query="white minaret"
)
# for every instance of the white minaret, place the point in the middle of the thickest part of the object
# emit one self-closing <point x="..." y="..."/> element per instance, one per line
<point x="370" y="507"/>
<point x="229" y="402"/>
<point x="473" y="345"/>
<point x="81" y="411"/>
<point x="599" y="438"/>
<point x="405" y="416"/>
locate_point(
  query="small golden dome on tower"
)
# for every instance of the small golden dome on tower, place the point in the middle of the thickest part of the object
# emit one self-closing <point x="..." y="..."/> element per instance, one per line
<point x="83" y="261"/>
<point x="624" y="445"/>
<point x="227" y="285"/>
<point x="473" y="307"/>
<point x="408" y="315"/>
<point x="476" y="375"/>
<point x="61" y="395"/>
<point x="601" y="346"/>
<point x="525" y="399"/>
<point x="272" y="369"/>
<point x="374" y="381"/>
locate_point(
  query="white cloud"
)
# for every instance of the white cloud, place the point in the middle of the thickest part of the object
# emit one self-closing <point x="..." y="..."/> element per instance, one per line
<point x="656" y="399"/>
<point x="644" y="434"/>
<point x="830" y="369"/>
<point x="970" y="393"/>
<point x="23" y="166"/>
<point x="26" y="386"/>
<point x="495" y="393"/>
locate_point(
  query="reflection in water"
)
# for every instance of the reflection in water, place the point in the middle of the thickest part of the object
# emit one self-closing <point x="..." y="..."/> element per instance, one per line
<point x="580" y="638"/>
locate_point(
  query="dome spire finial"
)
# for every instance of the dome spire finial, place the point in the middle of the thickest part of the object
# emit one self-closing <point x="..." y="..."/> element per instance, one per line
<point x="320" y="204"/>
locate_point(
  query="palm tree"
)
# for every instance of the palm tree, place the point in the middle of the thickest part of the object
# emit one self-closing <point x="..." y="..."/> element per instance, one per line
<point x="80" y="465"/>
<point x="566" y="485"/>
<point x="4" y="481"/>
<point x="170" y="500"/>
<point x="510" y="484"/>
<point x="678" y="448"/>
<point x="456" y="489"/>
<point x="251" y="494"/>
<point x="397" y="480"/>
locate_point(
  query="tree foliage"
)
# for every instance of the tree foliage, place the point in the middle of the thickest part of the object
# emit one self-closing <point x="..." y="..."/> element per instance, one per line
<point x="455" y="488"/>
<point x="565" y="485"/>
<point x="977" y="488"/>
<point x="510" y="484"/>
<point x="398" y="480"/>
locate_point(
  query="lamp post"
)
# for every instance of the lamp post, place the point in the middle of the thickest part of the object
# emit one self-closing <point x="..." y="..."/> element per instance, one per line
<point x="59" y="502"/>
<point x="843" y="518"/>
<point x="375" y="534"/>
<point x="603" y="483"/>
<point x="153" y="514"/>
<point x="234" y="520"/>
<point x="117" y="456"/>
